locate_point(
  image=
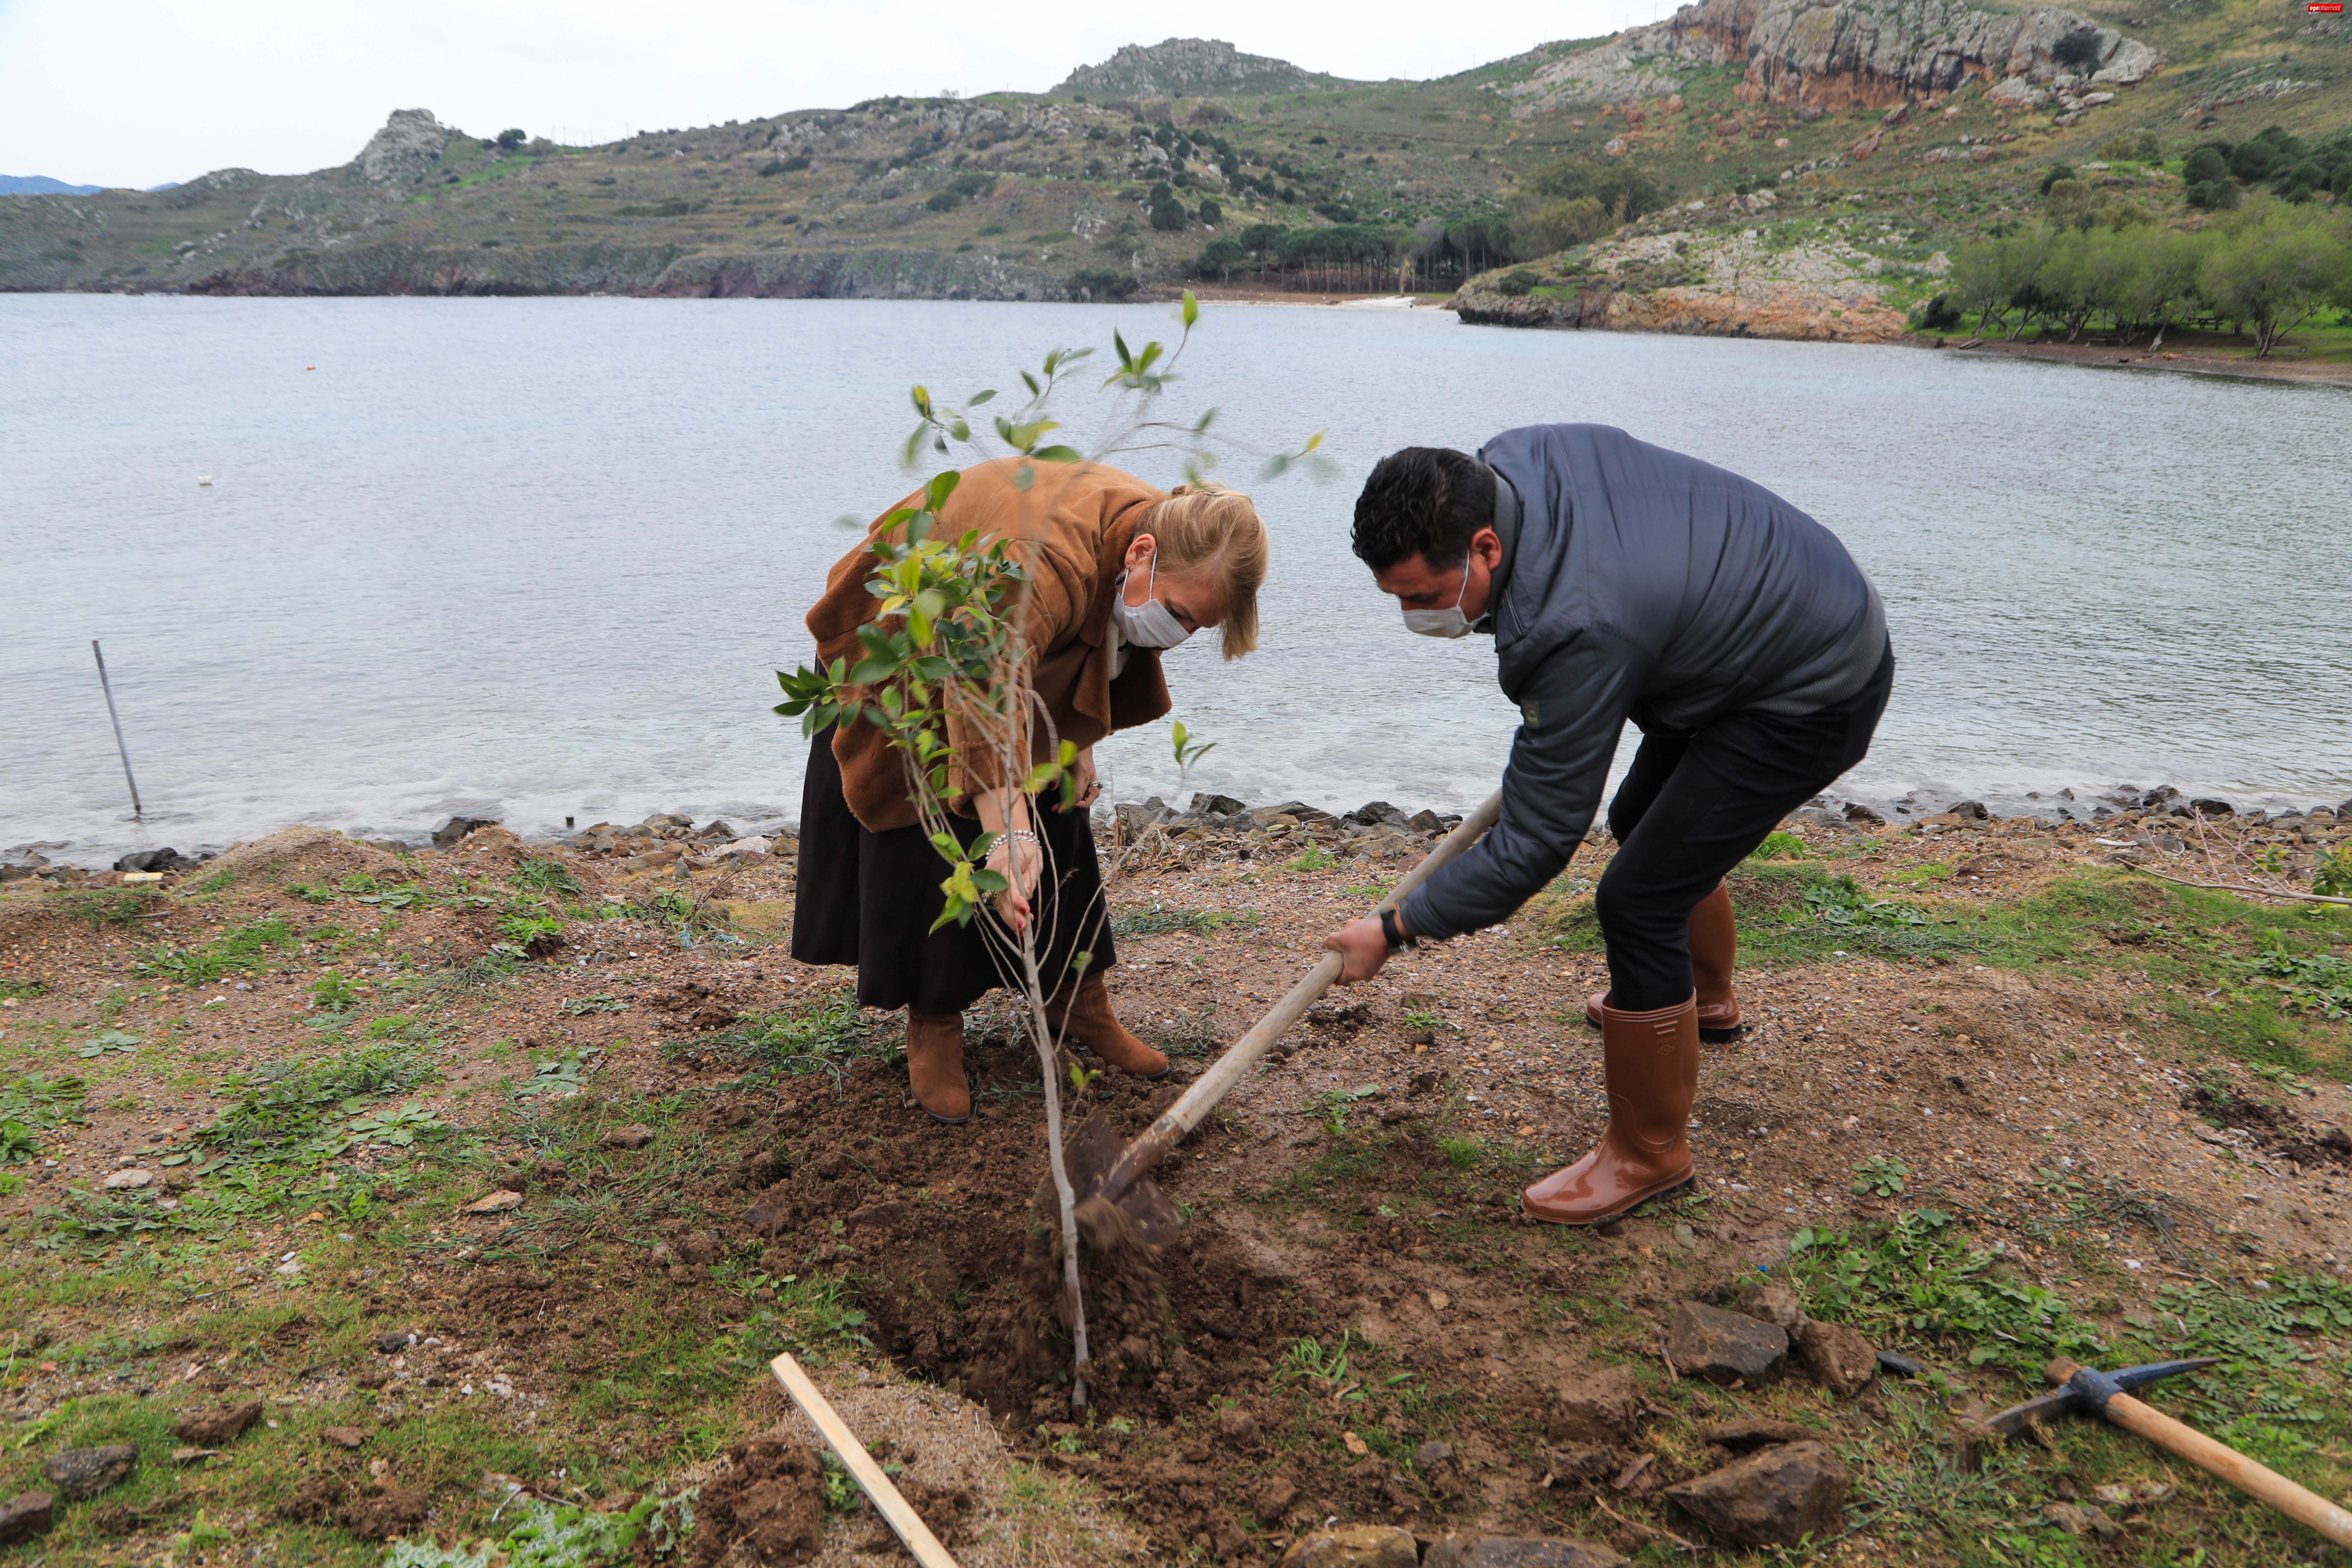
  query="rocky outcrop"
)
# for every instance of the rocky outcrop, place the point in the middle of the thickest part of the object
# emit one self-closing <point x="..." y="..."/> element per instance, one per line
<point x="411" y="142"/>
<point x="1850" y="53"/>
<point x="1191" y="68"/>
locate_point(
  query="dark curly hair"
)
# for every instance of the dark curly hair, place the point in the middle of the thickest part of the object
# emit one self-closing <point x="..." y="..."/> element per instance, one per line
<point x="1426" y="501"/>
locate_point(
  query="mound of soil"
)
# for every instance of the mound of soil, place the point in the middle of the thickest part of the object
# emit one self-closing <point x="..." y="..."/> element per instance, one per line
<point x="767" y="1506"/>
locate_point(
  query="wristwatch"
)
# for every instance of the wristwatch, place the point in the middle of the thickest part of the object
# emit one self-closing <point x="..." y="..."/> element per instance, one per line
<point x="1398" y="940"/>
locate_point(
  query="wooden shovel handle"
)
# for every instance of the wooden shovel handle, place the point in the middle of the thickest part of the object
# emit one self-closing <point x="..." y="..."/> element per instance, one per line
<point x="1213" y="1085"/>
<point x="2296" y="1503"/>
<point x="889" y="1502"/>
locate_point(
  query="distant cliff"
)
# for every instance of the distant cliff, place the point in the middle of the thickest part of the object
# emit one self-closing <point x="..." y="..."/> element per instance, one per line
<point x="1846" y="54"/>
<point x="1191" y="68"/>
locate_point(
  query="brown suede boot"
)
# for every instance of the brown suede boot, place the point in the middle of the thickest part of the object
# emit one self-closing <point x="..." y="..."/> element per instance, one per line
<point x="1084" y="1018"/>
<point x="1713" y="944"/>
<point x="935" y="1065"/>
<point x="1650" y="1061"/>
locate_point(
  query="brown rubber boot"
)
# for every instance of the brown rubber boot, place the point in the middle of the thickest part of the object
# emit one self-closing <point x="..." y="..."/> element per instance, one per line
<point x="1713" y="944"/>
<point x="1085" y="1019"/>
<point x="935" y="1065"/>
<point x="1650" y="1062"/>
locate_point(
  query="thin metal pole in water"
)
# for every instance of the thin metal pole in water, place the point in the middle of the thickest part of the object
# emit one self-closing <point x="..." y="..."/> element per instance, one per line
<point x="137" y="811"/>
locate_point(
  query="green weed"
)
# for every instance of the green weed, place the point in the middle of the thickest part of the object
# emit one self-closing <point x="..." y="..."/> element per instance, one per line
<point x="1919" y="1279"/>
<point x="1463" y="1153"/>
<point x="580" y="1007"/>
<point x="34" y="1105"/>
<point x="102" y="907"/>
<point x="2333" y="877"/>
<point x="21" y="990"/>
<point x="1881" y="1175"/>
<point x="820" y="1034"/>
<point x="2318" y="984"/>
<point x="547" y="877"/>
<point x="1332" y="1105"/>
<point x="298" y="1111"/>
<point x="1314" y="857"/>
<point x="1778" y="847"/>
<point x="1200" y="922"/>
<point x="244" y="950"/>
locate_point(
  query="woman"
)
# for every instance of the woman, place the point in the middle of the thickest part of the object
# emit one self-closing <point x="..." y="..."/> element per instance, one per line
<point x="1119" y="571"/>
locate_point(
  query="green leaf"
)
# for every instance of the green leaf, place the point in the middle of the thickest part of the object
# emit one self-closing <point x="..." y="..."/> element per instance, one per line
<point x="942" y="487"/>
<point x="980" y="397"/>
<point x="1056" y="453"/>
<point x="1191" y="308"/>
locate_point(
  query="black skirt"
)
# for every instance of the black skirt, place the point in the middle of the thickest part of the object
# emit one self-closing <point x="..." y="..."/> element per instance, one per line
<point x="869" y="899"/>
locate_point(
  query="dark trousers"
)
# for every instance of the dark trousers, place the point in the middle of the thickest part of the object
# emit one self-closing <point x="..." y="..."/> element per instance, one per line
<point x="1692" y="808"/>
<point x="869" y="899"/>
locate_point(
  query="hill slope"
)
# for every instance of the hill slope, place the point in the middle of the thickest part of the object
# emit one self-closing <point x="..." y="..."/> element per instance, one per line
<point x="1890" y="131"/>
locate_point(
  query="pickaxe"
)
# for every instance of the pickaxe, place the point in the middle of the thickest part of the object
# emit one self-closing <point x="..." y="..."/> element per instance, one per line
<point x="2108" y="1393"/>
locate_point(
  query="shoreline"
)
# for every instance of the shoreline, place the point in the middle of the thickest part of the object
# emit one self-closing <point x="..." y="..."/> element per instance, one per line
<point x="1207" y="813"/>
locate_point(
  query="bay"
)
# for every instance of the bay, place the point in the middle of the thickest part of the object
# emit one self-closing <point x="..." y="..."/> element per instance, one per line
<point x="540" y="558"/>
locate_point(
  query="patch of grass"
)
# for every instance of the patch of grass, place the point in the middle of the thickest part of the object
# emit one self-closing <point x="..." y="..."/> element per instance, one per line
<point x="33" y="1105"/>
<point x="1330" y="1107"/>
<point x="1160" y="919"/>
<point x="290" y="1110"/>
<point x="1918" y="1280"/>
<point x="822" y="1033"/>
<point x="1778" y="847"/>
<point x="547" y="877"/>
<point x="1463" y="1153"/>
<point x="103" y="906"/>
<point x="22" y="990"/>
<point x="244" y="950"/>
<point x="1314" y="857"/>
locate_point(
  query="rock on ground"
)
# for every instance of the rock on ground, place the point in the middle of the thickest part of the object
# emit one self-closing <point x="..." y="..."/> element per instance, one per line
<point x="1835" y="1356"/>
<point x="216" y="1427"/>
<point x="24" y="1516"/>
<point x="1774" y="1497"/>
<point x="1354" y="1546"/>
<point x="1725" y="1347"/>
<point x="1598" y="1409"/>
<point x="85" y="1472"/>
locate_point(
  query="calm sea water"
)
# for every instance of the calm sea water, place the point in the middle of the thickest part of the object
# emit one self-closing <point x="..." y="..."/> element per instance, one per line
<point x="539" y="558"/>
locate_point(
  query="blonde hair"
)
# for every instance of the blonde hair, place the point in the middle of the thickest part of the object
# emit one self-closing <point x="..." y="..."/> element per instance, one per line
<point x="1208" y="527"/>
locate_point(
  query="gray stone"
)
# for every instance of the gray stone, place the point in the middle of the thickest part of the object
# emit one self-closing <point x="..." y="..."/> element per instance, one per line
<point x="1970" y="811"/>
<point x="1235" y="1425"/>
<point x="1373" y="813"/>
<point x="85" y="1472"/>
<point x="1517" y="1551"/>
<point x="634" y="1136"/>
<point x="1837" y="1357"/>
<point x="1431" y="1454"/>
<point x="456" y="827"/>
<point x="1772" y="1300"/>
<point x="1354" y="1546"/>
<point x="24" y="1516"/>
<point x="411" y="141"/>
<point x="1222" y="804"/>
<point x="1725" y="1347"/>
<point x="164" y="859"/>
<point x="2081" y="1519"/>
<point x="1596" y="1408"/>
<point x="216" y="1427"/>
<point x="1857" y="812"/>
<point x="2213" y="805"/>
<point x="1426" y="821"/>
<point x="1775" y="1497"/>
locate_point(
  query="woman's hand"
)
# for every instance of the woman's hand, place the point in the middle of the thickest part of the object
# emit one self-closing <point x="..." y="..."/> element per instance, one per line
<point x="1017" y="860"/>
<point x="1089" y="787"/>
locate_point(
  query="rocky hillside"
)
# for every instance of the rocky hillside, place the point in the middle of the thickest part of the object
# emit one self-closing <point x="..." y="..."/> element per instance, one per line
<point x="1906" y="127"/>
<point x="1192" y="67"/>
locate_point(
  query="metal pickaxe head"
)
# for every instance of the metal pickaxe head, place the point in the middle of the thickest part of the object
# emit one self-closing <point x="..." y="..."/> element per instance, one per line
<point x="2087" y="1389"/>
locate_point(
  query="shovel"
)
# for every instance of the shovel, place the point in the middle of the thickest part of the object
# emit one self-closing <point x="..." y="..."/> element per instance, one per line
<point x="1105" y="1173"/>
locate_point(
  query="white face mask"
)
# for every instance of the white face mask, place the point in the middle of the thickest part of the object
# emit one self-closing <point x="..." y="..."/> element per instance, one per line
<point x="1148" y="624"/>
<point x="1446" y="623"/>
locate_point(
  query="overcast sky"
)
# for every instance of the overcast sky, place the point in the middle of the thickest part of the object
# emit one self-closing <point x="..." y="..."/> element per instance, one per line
<point x="135" y="92"/>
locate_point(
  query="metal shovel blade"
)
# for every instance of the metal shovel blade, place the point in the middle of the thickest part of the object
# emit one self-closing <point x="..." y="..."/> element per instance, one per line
<point x="1092" y="1153"/>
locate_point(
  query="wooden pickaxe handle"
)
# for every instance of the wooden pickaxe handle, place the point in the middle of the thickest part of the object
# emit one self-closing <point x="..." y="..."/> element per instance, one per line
<point x="2298" y="1503"/>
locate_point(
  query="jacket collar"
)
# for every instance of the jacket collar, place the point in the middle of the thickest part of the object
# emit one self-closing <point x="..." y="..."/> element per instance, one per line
<point x="1507" y="529"/>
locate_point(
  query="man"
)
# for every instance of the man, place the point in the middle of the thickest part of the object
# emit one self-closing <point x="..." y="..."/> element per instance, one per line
<point x="1622" y="581"/>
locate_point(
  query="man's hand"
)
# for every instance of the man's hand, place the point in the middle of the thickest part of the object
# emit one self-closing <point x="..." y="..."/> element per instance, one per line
<point x="1363" y="948"/>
